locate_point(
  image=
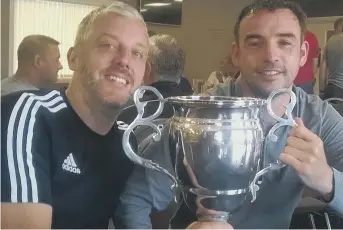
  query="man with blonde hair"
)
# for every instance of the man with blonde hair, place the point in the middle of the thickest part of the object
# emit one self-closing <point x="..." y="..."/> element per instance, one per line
<point x="62" y="160"/>
<point x="38" y="65"/>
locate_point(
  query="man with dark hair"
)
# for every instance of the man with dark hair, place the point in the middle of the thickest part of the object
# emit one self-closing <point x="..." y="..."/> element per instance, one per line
<point x="331" y="74"/>
<point x="269" y="49"/>
<point x="38" y="65"/>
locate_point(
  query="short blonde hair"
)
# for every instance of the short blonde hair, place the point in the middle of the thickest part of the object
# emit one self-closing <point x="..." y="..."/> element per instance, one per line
<point x="117" y="7"/>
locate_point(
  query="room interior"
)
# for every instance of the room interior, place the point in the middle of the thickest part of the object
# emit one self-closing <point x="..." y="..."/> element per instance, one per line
<point x="204" y="29"/>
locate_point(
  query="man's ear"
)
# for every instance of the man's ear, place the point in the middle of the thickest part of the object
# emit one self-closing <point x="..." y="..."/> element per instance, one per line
<point x="235" y="54"/>
<point x="304" y="52"/>
<point x="37" y="61"/>
<point x="148" y="77"/>
<point x="147" y="68"/>
<point x="72" y="59"/>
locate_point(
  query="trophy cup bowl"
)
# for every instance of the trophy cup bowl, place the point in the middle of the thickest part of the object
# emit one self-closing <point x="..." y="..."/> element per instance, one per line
<point x="219" y="147"/>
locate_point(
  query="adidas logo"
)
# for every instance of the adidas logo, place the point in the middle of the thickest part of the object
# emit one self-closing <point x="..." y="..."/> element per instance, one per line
<point x="70" y="165"/>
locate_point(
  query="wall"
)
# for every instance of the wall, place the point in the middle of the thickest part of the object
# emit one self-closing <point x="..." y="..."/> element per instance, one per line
<point x="206" y="33"/>
<point x="5" y="39"/>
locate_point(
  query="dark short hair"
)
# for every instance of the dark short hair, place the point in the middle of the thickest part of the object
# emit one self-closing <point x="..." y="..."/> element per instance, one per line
<point x="259" y="5"/>
<point x="33" y="45"/>
<point x="338" y="23"/>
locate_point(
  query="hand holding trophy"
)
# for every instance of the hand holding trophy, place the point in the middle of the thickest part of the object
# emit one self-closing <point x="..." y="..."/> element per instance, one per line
<point x="219" y="147"/>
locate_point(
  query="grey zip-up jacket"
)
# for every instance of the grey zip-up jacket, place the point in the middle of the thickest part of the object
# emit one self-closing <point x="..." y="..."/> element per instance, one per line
<point x="279" y="193"/>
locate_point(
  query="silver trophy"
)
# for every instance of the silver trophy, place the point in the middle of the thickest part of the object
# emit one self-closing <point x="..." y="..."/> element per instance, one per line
<point x="218" y="148"/>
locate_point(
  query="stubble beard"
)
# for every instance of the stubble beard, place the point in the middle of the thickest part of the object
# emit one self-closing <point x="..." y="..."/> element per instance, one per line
<point x="91" y="85"/>
<point x="264" y="93"/>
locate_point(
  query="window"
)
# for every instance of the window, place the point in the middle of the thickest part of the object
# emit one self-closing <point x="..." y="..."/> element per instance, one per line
<point x="58" y="20"/>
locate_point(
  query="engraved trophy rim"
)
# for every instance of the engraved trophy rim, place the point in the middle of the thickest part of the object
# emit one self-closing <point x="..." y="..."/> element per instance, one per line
<point x="216" y="101"/>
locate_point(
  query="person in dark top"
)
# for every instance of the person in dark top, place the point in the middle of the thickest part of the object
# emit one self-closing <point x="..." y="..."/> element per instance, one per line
<point x="185" y="86"/>
<point x="62" y="163"/>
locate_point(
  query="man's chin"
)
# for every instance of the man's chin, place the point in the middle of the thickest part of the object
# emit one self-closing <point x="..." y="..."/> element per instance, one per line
<point x="116" y="102"/>
<point x="264" y="91"/>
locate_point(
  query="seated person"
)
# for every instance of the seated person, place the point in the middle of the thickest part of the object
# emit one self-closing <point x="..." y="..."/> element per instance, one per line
<point x="38" y="65"/>
<point x="227" y="71"/>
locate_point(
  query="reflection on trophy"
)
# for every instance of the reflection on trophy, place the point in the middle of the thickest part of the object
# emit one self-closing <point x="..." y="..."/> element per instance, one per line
<point x="219" y="148"/>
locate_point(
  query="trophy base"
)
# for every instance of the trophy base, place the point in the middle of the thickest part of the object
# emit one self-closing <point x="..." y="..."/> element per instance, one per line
<point x="214" y="217"/>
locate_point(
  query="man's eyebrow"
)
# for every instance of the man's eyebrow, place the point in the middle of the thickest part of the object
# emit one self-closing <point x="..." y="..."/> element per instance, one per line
<point x="286" y="35"/>
<point x="140" y="45"/>
<point x="106" y="35"/>
<point x="258" y="36"/>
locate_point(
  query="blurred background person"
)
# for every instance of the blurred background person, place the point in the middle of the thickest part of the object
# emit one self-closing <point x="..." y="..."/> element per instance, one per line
<point x="307" y="73"/>
<point x="38" y="65"/>
<point x="227" y="71"/>
<point x="331" y="70"/>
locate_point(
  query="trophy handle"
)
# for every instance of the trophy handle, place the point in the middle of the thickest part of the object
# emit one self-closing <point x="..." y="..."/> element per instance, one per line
<point x="288" y="121"/>
<point x="145" y="121"/>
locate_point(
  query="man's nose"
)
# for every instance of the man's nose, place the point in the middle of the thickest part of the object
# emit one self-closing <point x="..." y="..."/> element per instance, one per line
<point x="271" y="52"/>
<point x="122" y="58"/>
<point x="60" y="66"/>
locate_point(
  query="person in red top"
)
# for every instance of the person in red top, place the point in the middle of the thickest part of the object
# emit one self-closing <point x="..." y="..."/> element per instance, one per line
<point x="306" y="75"/>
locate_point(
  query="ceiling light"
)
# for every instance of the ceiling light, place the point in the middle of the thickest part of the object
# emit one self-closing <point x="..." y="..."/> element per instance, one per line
<point x="157" y="4"/>
<point x="143" y="10"/>
<point x="177" y="0"/>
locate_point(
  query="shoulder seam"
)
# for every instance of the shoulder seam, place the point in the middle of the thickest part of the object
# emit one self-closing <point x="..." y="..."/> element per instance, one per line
<point x="16" y="146"/>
